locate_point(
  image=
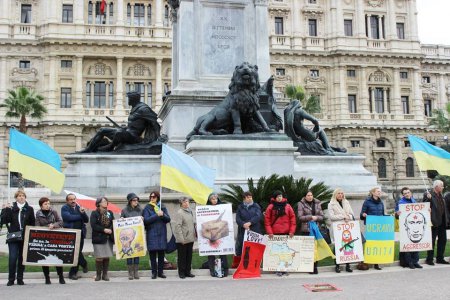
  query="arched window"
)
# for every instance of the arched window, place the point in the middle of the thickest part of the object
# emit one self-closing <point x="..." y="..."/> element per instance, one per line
<point x="382" y="168"/>
<point x="409" y="167"/>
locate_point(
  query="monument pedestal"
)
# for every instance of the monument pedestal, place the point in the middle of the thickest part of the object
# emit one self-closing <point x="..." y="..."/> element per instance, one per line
<point x="239" y="157"/>
<point x="96" y="175"/>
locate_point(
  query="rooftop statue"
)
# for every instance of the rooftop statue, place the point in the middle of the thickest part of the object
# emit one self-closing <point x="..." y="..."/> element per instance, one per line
<point x="240" y="111"/>
<point x="309" y="142"/>
<point x="140" y="136"/>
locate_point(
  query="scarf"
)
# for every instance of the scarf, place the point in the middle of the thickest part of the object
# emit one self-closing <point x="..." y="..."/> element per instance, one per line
<point x="279" y="207"/>
<point x="155" y="206"/>
<point x="104" y="217"/>
<point x="20" y="206"/>
<point x="247" y="205"/>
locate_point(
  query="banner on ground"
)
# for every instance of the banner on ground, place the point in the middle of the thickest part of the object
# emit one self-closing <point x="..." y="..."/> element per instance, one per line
<point x="215" y="229"/>
<point x="415" y="227"/>
<point x="129" y="236"/>
<point x="51" y="247"/>
<point x="380" y="240"/>
<point x="348" y="246"/>
<point x="252" y="255"/>
<point x="284" y="254"/>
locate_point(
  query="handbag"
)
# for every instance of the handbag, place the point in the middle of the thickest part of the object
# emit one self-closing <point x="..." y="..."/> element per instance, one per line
<point x="171" y="243"/>
<point x="13" y="237"/>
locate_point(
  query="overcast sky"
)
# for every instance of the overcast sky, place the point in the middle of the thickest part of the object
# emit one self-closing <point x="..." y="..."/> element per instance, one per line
<point x="434" y="21"/>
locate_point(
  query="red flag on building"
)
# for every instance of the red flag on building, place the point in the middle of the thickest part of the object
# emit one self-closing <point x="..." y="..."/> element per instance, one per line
<point x="103" y="7"/>
<point x="250" y="266"/>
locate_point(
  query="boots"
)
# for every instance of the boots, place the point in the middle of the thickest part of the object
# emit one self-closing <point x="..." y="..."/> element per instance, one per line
<point x="130" y="272"/>
<point x="47" y="279"/>
<point x="46" y="271"/>
<point x="347" y="268"/>
<point x="98" y="268"/>
<point x="136" y="271"/>
<point x="105" y="269"/>
<point x="236" y="261"/>
<point x="338" y="269"/>
<point x="59" y="271"/>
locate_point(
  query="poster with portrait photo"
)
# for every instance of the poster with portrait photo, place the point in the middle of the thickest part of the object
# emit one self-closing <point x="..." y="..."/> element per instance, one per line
<point x="215" y="229"/>
<point x="415" y="227"/>
<point x="129" y="236"/>
<point x="51" y="247"/>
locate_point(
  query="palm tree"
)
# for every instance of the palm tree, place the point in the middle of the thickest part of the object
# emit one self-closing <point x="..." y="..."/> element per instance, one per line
<point x="310" y="105"/>
<point x="22" y="103"/>
<point x="440" y="121"/>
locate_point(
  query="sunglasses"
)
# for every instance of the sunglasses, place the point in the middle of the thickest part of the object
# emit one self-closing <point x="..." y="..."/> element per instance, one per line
<point x="153" y="196"/>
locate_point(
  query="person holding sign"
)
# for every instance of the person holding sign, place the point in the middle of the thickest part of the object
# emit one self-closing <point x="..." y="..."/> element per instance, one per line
<point x="439" y="221"/>
<point x="374" y="206"/>
<point x="47" y="217"/>
<point x="102" y="237"/>
<point x="408" y="259"/>
<point x="17" y="217"/>
<point x="155" y="219"/>
<point x="133" y="209"/>
<point x="340" y="210"/>
<point x="309" y="209"/>
<point x="280" y="218"/>
<point x="185" y="236"/>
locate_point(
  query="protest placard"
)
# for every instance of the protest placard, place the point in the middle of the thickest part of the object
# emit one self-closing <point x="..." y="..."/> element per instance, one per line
<point x="285" y="254"/>
<point x="347" y="242"/>
<point x="415" y="227"/>
<point x="51" y="247"/>
<point x="380" y="240"/>
<point x="129" y="236"/>
<point x="215" y="229"/>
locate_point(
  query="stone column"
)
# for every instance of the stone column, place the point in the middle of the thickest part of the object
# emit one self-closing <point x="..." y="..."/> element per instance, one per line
<point x="372" y="93"/>
<point x="4" y="16"/>
<point x="52" y="77"/>
<point x="262" y="42"/>
<point x="369" y="32"/>
<point x="119" y="84"/>
<point x="417" y="107"/>
<point x="51" y="11"/>
<point x="396" y="101"/>
<point x="298" y="25"/>
<point x="158" y="13"/>
<point x="78" y="141"/>
<point x="442" y="99"/>
<point x="158" y="88"/>
<point x="332" y="26"/>
<point x="78" y="105"/>
<point x="363" y="109"/>
<point x="119" y="11"/>
<point x="360" y="19"/>
<point x="339" y="18"/>
<point x="78" y="12"/>
<point x="392" y="28"/>
<point x="3" y="75"/>
<point x="91" y="99"/>
<point x="412" y="13"/>
<point x="343" y="96"/>
<point x="385" y="103"/>
<point x="380" y="27"/>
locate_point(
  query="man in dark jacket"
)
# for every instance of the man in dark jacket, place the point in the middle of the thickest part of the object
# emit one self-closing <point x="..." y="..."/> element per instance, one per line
<point x="439" y="221"/>
<point x="74" y="217"/>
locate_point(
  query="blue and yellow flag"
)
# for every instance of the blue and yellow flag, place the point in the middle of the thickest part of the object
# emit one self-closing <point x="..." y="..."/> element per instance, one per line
<point x="322" y="250"/>
<point x="35" y="160"/>
<point x="429" y="157"/>
<point x="182" y="173"/>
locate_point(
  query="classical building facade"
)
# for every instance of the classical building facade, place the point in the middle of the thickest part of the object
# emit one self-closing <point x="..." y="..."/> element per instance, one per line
<point x="362" y="58"/>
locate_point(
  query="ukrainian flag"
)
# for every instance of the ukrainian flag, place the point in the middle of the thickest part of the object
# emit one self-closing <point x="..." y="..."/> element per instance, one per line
<point x="182" y="173"/>
<point x="322" y="250"/>
<point x="429" y="157"/>
<point x="35" y="160"/>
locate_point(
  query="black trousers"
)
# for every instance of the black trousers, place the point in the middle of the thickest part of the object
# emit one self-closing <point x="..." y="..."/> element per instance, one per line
<point x="212" y="262"/>
<point x="184" y="252"/>
<point x="441" y="234"/>
<point x="81" y="261"/>
<point x="157" y="267"/>
<point x="46" y="271"/>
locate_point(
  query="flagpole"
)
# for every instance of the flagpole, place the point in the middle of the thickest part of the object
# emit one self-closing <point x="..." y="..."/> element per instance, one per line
<point x="423" y="179"/>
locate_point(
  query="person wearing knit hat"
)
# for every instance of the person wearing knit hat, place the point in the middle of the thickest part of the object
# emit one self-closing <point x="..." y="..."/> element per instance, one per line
<point x="279" y="218"/>
<point x="133" y="209"/>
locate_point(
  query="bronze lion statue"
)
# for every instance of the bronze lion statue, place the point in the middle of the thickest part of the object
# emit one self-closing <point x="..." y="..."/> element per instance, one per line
<point x="239" y="112"/>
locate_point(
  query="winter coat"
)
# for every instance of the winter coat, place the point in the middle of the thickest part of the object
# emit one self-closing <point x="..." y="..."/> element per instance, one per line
<point x="10" y="216"/>
<point x="437" y="215"/>
<point x="73" y="218"/>
<point x="372" y="207"/>
<point x="51" y="218"/>
<point x="155" y="227"/>
<point x="338" y="213"/>
<point x="98" y="234"/>
<point x="305" y="214"/>
<point x="184" y="230"/>
<point x="129" y="212"/>
<point x="252" y="214"/>
<point x="284" y="224"/>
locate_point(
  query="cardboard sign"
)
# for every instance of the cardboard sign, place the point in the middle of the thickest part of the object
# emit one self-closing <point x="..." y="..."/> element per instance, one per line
<point x="129" y="236"/>
<point x="347" y="242"/>
<point x="415" y="227"/>
<point x="380" y="240"/>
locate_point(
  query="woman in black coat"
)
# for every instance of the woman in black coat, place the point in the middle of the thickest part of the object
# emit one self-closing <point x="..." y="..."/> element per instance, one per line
<point x="102" y="237"/>
<point x="17" y="218"/>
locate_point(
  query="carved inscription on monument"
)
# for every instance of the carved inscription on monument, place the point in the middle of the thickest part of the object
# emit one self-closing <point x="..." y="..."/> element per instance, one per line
<point x="223" y="45"/>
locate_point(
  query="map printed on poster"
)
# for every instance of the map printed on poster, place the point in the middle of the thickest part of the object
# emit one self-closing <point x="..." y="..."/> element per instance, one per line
<point x="215" y="229"/>
<point x="415" y="227"/>
<point x="129" y="237"/>
<point x="284" y="254"/>
<point x="51" y="247"/>
<point x="348" y="246"/>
